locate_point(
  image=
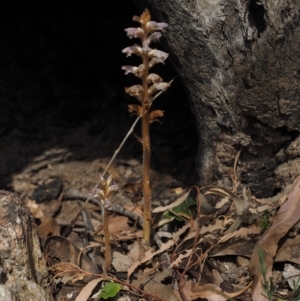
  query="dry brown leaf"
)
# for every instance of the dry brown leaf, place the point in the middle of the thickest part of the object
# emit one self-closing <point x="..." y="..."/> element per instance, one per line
<point x="135" y="251"/>
<point x="122" y="262"/>
<point x="48" y="227"/>
<point x="111" y="170"/>
<point x="163" y="222"/>
<point x="287" y="216"/>
<point x="242" y="247"/>
<point x="136" y="209"/>
<point x="149" y="255"/>
<point x="118" y="224"/>
<point x="217" y="279"/>
<point x="179" y="258"/>
<point x="209" y="292"/>
<point x="214" y="293"/>
<point x="262" y="208"/>
<point x="235" y="225"/>
<point x="155" y="285"/>
<point x="241" y="205"/>
<point x="289" y="251"/>
<point x="70" y="273"/>
<point x="211" y="227"/>
<point x="204" y="229"/>
<point x="181" y="231"/>
<point x="222" y="202"/>
<point x="87" y="290"/>
<point x="172" y="205"/>
<point x="60" y="248"/>
<point x="242" y="232"/>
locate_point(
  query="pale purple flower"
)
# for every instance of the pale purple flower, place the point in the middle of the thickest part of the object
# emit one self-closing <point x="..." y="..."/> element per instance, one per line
<point x="155" y="61"/>
<point x="113" y="187"/>
<point x="158" y="87"/>
<point x="107" y="203"/>
<point x="154" y="53"/>
<point x="96" y="193"/>
<point x="153" y="26"/>
<point x="137" y="71"/>
<point x="154" y="37"/>
<point x="132" y="49"/>
<point x="129" y="69"/>
<point x="136" y="91"/>
<point x="134" y="32"/>
<point x="153" y="78"/>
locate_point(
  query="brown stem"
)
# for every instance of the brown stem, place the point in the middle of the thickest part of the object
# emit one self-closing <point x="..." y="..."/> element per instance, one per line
<point x="146" y="177"/>
<point x="146" y="148"/>
<point x="106" y="239"/>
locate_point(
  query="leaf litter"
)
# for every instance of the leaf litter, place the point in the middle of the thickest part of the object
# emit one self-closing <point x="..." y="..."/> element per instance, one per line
<point x="205" y="243"/>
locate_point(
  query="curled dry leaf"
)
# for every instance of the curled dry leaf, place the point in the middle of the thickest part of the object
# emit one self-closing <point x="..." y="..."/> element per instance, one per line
<point x="85" y="293"/>
<point x="209" y="292"/>
<point x="287" y="216"/>
<point x="212" y="292"/>
<point x="179" y="258"/>
<point x="70" y="273"/>
<point x="242" y="205"/>
<point x="174" y="204"/>
<point x="58" y="248"/>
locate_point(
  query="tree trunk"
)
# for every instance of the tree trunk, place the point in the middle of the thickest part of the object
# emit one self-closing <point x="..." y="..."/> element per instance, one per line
<point x="239" y="61"/>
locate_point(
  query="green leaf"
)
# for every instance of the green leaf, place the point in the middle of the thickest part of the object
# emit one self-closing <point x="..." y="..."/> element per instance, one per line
<point x="109" y="290"/>
<point x="181" y="212"/>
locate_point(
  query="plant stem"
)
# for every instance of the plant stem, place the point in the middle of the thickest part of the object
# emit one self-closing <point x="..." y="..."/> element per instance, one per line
<point x="106" y="238"/>
<point x="146" y="177"/>
<point x="146" y="148"/>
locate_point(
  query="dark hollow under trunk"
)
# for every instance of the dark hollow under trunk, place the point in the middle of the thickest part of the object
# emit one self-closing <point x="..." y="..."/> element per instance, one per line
<point x="239" y="61"/>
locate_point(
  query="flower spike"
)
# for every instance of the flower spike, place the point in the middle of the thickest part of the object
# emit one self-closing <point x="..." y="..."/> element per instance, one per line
<point x="146" y="92"/>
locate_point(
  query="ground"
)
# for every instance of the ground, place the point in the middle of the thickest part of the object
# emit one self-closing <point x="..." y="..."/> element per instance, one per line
<point x="55" y="182"/>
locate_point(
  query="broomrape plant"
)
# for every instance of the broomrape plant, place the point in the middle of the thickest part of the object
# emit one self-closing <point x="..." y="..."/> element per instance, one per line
<point x="150" y="87"/>
<point x="101" y="195"/>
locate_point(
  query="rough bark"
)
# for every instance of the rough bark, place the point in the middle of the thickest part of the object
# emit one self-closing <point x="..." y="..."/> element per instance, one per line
<point x="22" y="266"/>
<point x="239" y="60"/>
